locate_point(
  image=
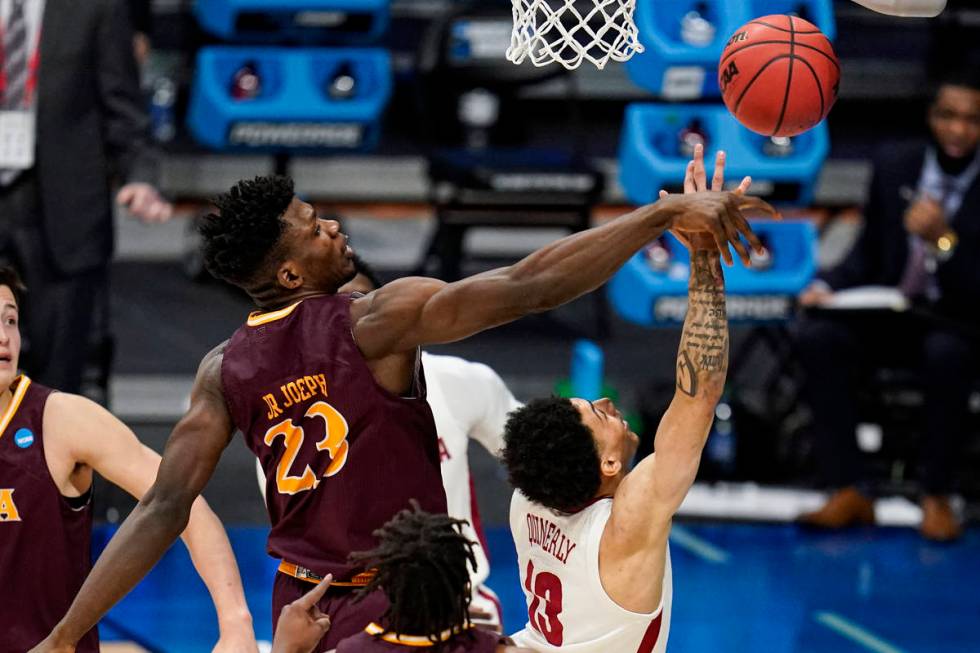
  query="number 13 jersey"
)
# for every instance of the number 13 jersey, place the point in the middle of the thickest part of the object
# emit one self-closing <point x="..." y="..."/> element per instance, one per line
<point x="568" y="609"/>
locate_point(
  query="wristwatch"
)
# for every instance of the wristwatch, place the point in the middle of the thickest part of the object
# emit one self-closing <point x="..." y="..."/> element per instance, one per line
<point x="945" y="245"/>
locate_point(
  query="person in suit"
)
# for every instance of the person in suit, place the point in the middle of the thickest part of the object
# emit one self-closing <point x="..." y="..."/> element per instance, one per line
<point x="922" y="236"/>
<point x="70" y="101"/>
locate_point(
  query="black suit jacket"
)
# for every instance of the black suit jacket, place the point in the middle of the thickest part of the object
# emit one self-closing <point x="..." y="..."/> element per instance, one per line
<point x="880" y="254"/>
<point x="91" y="123"/>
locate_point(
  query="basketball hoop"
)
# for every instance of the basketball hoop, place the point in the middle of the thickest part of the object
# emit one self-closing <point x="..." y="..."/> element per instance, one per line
<point x="573" y="31"/>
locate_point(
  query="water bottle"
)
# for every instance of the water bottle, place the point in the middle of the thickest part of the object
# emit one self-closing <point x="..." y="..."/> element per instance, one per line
<point x="720" y="449"/>
<point x="778" y="146"/>
<point x="342" y="85"/>
<point x="163" y="123"/>
<point x="658" y="256"/>
<point x="689" y="137"/>
<point x="246" y="83"/>
<point x="761" y="261"/>
<point x="696" y="30"/>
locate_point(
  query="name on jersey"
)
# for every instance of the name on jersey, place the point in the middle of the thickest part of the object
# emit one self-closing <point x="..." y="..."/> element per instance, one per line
<point x="549" y="537"/>
<point x="300" y="389"/>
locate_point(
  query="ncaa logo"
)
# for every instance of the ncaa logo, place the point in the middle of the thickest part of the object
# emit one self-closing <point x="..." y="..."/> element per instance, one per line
<point x="24" y="438"/>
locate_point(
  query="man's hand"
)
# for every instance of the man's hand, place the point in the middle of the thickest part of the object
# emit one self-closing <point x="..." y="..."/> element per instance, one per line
<point x="716" y="215"/>
<point x="484" y="620"/>
<point x="144" y="202"/>
<point x="695" y="179"/>
<point x="816" y="294"/>
<point x="926" y="219"/>
<point x="301" y="624"/>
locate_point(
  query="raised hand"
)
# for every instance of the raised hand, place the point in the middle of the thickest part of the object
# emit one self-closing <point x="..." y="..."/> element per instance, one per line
<point x="713" y="218"/>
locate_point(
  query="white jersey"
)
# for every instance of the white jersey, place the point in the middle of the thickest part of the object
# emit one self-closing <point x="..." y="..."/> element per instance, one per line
<point x="568" y="609"/>
<point x="468" y="400"/>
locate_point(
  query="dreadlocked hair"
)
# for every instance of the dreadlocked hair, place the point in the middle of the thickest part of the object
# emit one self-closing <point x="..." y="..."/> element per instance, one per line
<point x="421" y="566"/>
<point x="241" y="236"/>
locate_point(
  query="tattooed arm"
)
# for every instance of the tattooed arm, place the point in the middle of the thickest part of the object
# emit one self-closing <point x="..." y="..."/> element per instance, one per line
<point x="650" y="494"/>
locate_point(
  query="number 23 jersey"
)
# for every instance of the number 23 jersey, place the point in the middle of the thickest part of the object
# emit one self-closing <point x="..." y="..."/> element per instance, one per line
<point x="568" y="609"/>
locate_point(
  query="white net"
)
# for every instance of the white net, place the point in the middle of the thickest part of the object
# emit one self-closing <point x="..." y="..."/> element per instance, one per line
<point x="573" y="31"/>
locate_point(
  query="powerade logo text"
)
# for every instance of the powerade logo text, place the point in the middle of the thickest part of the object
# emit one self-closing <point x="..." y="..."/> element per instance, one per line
<point x="296" y="134"/>
<point x="738" y="307"/>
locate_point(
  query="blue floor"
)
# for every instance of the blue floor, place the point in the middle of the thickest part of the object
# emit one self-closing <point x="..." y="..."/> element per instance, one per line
<point x="737" y="587"/>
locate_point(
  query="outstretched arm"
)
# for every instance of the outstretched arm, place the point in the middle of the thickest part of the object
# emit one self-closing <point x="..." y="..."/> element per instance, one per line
<point x="414" y="312"/>
<point x="94" y="437"/>
<point x="161" y="515"/>
<point x="632" y="552"/>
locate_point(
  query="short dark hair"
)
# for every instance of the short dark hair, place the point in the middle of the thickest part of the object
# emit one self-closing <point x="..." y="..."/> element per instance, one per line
<point x="10" y="278"/>
<point x="422" y="564"/>
<point x="240" y="238"/>
<point x="361" y="267"/>
<point x="550" y="454"/>
<point x="967" y="77"/>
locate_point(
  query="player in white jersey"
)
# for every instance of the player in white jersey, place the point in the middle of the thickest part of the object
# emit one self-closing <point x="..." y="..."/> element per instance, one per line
<point x="469" y="401"/>
<point x="591" y="536"/>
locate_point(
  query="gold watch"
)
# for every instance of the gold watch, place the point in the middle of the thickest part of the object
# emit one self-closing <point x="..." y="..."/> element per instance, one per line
<point x="945" y="245"/>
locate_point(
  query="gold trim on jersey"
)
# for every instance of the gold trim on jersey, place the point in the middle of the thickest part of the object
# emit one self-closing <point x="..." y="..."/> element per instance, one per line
<point x="258" y="319"/>
<point x="302" y="573"/>
<point x="412" y="640"/>
<point x="23" y="382"/>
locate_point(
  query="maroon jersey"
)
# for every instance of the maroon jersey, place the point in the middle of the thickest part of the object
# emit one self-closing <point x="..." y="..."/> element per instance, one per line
<point x="44" y="537"/>
<point x="475" y="641"/>
<point x="341" y="455"/>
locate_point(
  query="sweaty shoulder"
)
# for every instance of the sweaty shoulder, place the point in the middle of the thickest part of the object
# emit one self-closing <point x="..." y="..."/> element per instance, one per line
<point x="209" y="371"/>
<point x="386" y="320"/>
<point x="66" y="413"/>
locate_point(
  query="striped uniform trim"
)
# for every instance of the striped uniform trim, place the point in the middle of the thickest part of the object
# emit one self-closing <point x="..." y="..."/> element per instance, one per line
<point x="22" y="384"/>
<point x="15" y="51"/>
<point x="411" y="640"/>
<point x="302" y="573"/>
<point x="258" y="319"/>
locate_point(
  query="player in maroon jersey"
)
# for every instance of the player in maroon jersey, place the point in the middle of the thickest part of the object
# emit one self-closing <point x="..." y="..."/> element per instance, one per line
<point x="423" y="564"/>
<point x="328" y="388"/>
<point x="50" y="445"/>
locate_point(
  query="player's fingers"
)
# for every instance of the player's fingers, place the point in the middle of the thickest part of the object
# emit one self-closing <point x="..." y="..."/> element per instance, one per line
<point x="313" y="597"/>
<point x="743" y="228"/>
<point x="663" y="194"/>
<point x="721" y="240"/>
<point x="323" y="623"/>
<point x="731" y="230"/>
<point x="718" y="179"/>
<point x="700" y="176"/>
<point x="756" y="205"/>
<point x="689" y="185"/>
<point x="743" y="187"/>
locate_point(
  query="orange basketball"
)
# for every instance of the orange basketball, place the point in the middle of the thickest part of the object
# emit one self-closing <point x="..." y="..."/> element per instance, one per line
<point x="779" y="75"/>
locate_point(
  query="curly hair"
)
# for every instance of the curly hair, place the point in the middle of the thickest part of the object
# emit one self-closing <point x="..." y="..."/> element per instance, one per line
<point x="421" y="565"/>
<point x="10" y="278"/>
<point x="550" y="454"/>
<point x="240" y="239"/>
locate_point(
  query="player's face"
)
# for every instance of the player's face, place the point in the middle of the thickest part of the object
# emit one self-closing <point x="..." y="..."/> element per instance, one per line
<point x="954" y="119"/>
<point x="318" y="247"/>
<point x="9" y="337"/>
<point x="613" y="437"/>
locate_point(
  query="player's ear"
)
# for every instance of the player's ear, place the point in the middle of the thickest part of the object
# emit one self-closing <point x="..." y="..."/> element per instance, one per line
<point x="289" y="275"/>
<point x="611" y="465"/>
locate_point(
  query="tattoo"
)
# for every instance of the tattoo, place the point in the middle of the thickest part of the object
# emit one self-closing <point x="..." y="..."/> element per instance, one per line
<point x="687" y="375"/>
<point x="703" y="352"/>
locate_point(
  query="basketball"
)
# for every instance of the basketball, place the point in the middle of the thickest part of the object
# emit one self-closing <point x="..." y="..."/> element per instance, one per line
<point x="779" y="75"/>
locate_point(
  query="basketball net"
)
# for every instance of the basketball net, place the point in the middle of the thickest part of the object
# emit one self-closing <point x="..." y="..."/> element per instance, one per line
<point x="573" y="31"/>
